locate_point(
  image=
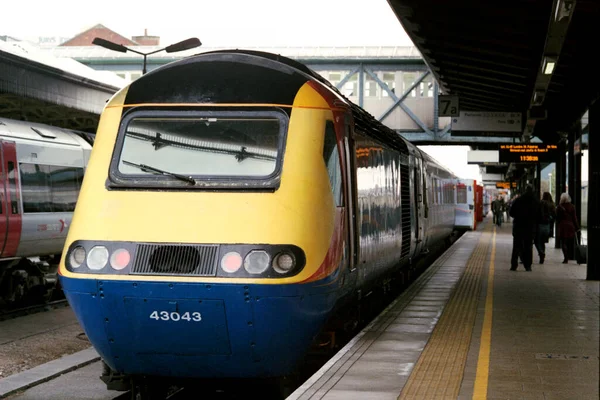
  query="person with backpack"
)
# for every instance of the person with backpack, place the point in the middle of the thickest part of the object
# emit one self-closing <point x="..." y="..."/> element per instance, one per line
<point x="525" y="212"/>
<point x="497" y="209"/>
<point x="547" y="217"/>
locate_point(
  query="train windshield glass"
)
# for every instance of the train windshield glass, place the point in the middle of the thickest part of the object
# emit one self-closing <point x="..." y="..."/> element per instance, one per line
<point x="236" y="145"/>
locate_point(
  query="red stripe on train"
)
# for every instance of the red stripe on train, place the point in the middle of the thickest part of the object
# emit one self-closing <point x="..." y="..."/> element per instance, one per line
<point x="11" y="218"/>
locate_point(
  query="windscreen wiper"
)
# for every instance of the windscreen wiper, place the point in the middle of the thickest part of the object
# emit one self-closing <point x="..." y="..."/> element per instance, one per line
<point x="147" y="168"/>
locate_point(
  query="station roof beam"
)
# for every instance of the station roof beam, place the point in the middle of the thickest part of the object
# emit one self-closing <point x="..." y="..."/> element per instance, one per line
<point x="494" y="56"/>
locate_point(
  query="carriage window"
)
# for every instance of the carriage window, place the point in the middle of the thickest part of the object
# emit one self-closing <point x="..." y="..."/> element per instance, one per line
<point x="461" y="194"/>
<point x="35" y="188"/>
<point x="161" y="147"/>
<point x="49" y="188"/>
<point x="443" y="192"/>
<point x="332" y="161"/>
<point x="65" y="183"/>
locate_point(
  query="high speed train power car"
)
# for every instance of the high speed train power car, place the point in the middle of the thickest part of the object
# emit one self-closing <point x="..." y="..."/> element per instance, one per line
<point x="42" y="169"/>
<point x="233" y="202"/>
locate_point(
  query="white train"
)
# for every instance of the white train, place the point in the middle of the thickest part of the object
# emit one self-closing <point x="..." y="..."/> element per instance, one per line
<point x="42" y="168"/>
<point x="470" y="200"/>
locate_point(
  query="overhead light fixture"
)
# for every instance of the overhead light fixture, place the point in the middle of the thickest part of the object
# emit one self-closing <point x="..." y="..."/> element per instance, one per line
<point x="180" y="46"/>
<point x="563" y="9"/>
<point x="538" y="97"/>
<point x="549" y="63"/>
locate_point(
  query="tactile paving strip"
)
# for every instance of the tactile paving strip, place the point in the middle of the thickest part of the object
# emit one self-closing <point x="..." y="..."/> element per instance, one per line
<point x="439" y="371"/>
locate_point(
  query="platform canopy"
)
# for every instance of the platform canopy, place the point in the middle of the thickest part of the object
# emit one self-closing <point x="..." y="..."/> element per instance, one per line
<point x="533" y="57"/>
<point x="62" y="92"/>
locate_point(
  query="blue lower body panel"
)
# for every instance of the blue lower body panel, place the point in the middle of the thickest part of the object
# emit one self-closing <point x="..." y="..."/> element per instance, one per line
<point x="197" y="330"/>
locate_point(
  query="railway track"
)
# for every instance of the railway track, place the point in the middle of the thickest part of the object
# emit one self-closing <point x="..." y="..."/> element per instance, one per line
<point x="21" y="312"/>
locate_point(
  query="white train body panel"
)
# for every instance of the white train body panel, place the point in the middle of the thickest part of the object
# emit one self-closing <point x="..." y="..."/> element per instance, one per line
<point x="50" y="163"/>
<point x="465" y="204"/>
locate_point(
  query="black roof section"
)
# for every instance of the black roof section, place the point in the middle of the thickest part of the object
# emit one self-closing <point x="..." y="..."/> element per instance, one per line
<point x="490" y="53"/>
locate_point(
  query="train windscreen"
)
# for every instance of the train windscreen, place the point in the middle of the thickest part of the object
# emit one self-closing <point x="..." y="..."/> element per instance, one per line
<point x="222" y="145"/>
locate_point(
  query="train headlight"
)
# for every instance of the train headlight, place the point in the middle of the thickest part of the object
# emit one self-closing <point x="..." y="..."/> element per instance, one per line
<point x="120" y="259"/>
<point x="231" y="262"/>
<point x="77" y="257"/>
<point x="97" y="258"/>
<point x="257" y="262"/>
<point x="284" y="263"/>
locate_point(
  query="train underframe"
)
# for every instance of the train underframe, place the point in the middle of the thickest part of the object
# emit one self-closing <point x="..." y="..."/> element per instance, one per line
<point x="28" y="281"/>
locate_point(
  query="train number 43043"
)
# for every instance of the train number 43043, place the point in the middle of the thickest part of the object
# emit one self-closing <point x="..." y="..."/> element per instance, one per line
<point x="175" y="316"/>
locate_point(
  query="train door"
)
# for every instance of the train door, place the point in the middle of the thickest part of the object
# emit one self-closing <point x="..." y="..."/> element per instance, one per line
<point x="426" y="198"/>
<point x="471" y="202"/>
<point x="350" y="155"/>
<point x="418" y="203"/>
<point x="479" y="202"/>
<point x="10" y="215"/>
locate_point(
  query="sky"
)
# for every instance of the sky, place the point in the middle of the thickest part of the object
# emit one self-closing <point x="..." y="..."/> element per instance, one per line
<point x="455" y="159"/>
<point x="215" y="22"/>
<point x="235" y="23"/>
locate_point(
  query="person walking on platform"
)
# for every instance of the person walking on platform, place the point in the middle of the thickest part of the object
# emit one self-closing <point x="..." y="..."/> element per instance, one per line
<point x="547" y="216"/>
<point x="497" y="210"/>
<point x="508" y="204"/>
<point x="525" y="212"/>
<point x="568" y="226"/>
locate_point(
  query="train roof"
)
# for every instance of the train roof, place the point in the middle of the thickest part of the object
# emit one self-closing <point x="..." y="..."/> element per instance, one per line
<point x="35" y="132"/>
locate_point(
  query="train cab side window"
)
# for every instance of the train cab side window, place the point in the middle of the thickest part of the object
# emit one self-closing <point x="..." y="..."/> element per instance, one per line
<point x="332" y="162"/>
<point x="12" y="188"/>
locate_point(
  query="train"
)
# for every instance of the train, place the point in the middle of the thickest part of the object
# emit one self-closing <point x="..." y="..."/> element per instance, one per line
<point x="234" y="201"/>
<point x="42" y="170"/>
<point x="487" y="202"/>
<point x="469" y="204"/>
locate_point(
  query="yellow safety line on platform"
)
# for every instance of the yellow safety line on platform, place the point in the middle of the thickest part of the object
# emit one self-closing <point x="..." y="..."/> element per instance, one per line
<point x="439" y="371"/>
<point x="483" y="362"/>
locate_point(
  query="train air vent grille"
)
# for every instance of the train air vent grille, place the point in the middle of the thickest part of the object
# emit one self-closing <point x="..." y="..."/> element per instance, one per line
<point x="172" y="259"/>
<point x="405" y="207"/>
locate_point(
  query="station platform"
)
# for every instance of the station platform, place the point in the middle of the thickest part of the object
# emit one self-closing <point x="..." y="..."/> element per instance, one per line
<point x="469" y="328"/>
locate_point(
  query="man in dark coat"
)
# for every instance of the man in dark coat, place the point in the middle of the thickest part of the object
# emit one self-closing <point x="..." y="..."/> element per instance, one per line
<point x="525" y="212"/>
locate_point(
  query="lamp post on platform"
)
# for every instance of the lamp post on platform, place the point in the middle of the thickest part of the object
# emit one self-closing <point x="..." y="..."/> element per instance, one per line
<point x="180" y="46"/>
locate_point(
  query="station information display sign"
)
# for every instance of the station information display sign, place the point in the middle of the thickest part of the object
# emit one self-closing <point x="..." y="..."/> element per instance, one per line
<point x="527" y="153"/>
<point x="505" y="185"/>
